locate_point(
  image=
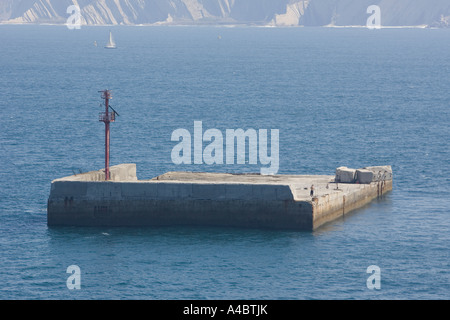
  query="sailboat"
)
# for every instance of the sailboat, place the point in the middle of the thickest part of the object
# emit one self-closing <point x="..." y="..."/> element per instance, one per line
<point x="111" y="44"/>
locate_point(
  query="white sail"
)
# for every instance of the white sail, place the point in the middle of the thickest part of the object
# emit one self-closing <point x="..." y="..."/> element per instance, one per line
<point x="111" y="44"/>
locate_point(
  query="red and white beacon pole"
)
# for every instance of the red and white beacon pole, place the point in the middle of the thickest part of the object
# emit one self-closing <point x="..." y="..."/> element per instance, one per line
<point x="107" y="117"/>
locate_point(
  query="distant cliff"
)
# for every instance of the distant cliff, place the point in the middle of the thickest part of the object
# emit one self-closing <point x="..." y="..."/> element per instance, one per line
<point x="250" y="12"/>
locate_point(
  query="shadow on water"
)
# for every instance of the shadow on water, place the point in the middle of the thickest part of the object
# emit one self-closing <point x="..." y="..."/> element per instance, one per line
<point x="173" y="240"/>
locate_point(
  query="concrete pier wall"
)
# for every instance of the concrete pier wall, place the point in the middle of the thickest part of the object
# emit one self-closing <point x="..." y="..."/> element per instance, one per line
<point x="227" y="213"/>
<point x="251" y="201"/>
<point x="329" y="207"/>
<point x="169" y="203"/>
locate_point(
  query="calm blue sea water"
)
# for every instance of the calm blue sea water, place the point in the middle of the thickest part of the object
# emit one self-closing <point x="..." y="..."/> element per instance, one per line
<point x="352" y="97"/>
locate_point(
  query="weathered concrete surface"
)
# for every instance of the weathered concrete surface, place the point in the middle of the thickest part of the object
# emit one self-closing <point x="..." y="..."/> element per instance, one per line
<point x="345" y="175"/>
<point x="364" y="176"/>
<point x="121" y="172"/>
<point x="214" y="199"/>
<point x="330" y="206"/>
<point x="380" y="172"/>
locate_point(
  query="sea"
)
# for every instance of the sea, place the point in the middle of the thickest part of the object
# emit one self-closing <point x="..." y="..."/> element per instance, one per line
<point x="338" y="96"/>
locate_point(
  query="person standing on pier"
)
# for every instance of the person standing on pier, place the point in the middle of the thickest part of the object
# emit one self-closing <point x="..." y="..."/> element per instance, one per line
<point x="312" y="190"/>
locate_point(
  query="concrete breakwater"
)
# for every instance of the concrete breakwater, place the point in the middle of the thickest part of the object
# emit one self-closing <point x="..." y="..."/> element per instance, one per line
<point x="212" y="199"/>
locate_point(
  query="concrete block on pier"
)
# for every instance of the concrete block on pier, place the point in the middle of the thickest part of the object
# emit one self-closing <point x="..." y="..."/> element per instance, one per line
<point x="123" y="172"/>
<point x="345" y="175"/>
<point x="364" y="176"/>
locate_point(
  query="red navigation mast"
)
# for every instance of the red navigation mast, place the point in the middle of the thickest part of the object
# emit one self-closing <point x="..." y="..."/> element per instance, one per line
<point x="107" y="117"/>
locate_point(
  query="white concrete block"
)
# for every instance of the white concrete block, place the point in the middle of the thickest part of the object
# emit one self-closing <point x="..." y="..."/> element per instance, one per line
<point x="364" y="176"/>
<point x="345" y="175"/>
